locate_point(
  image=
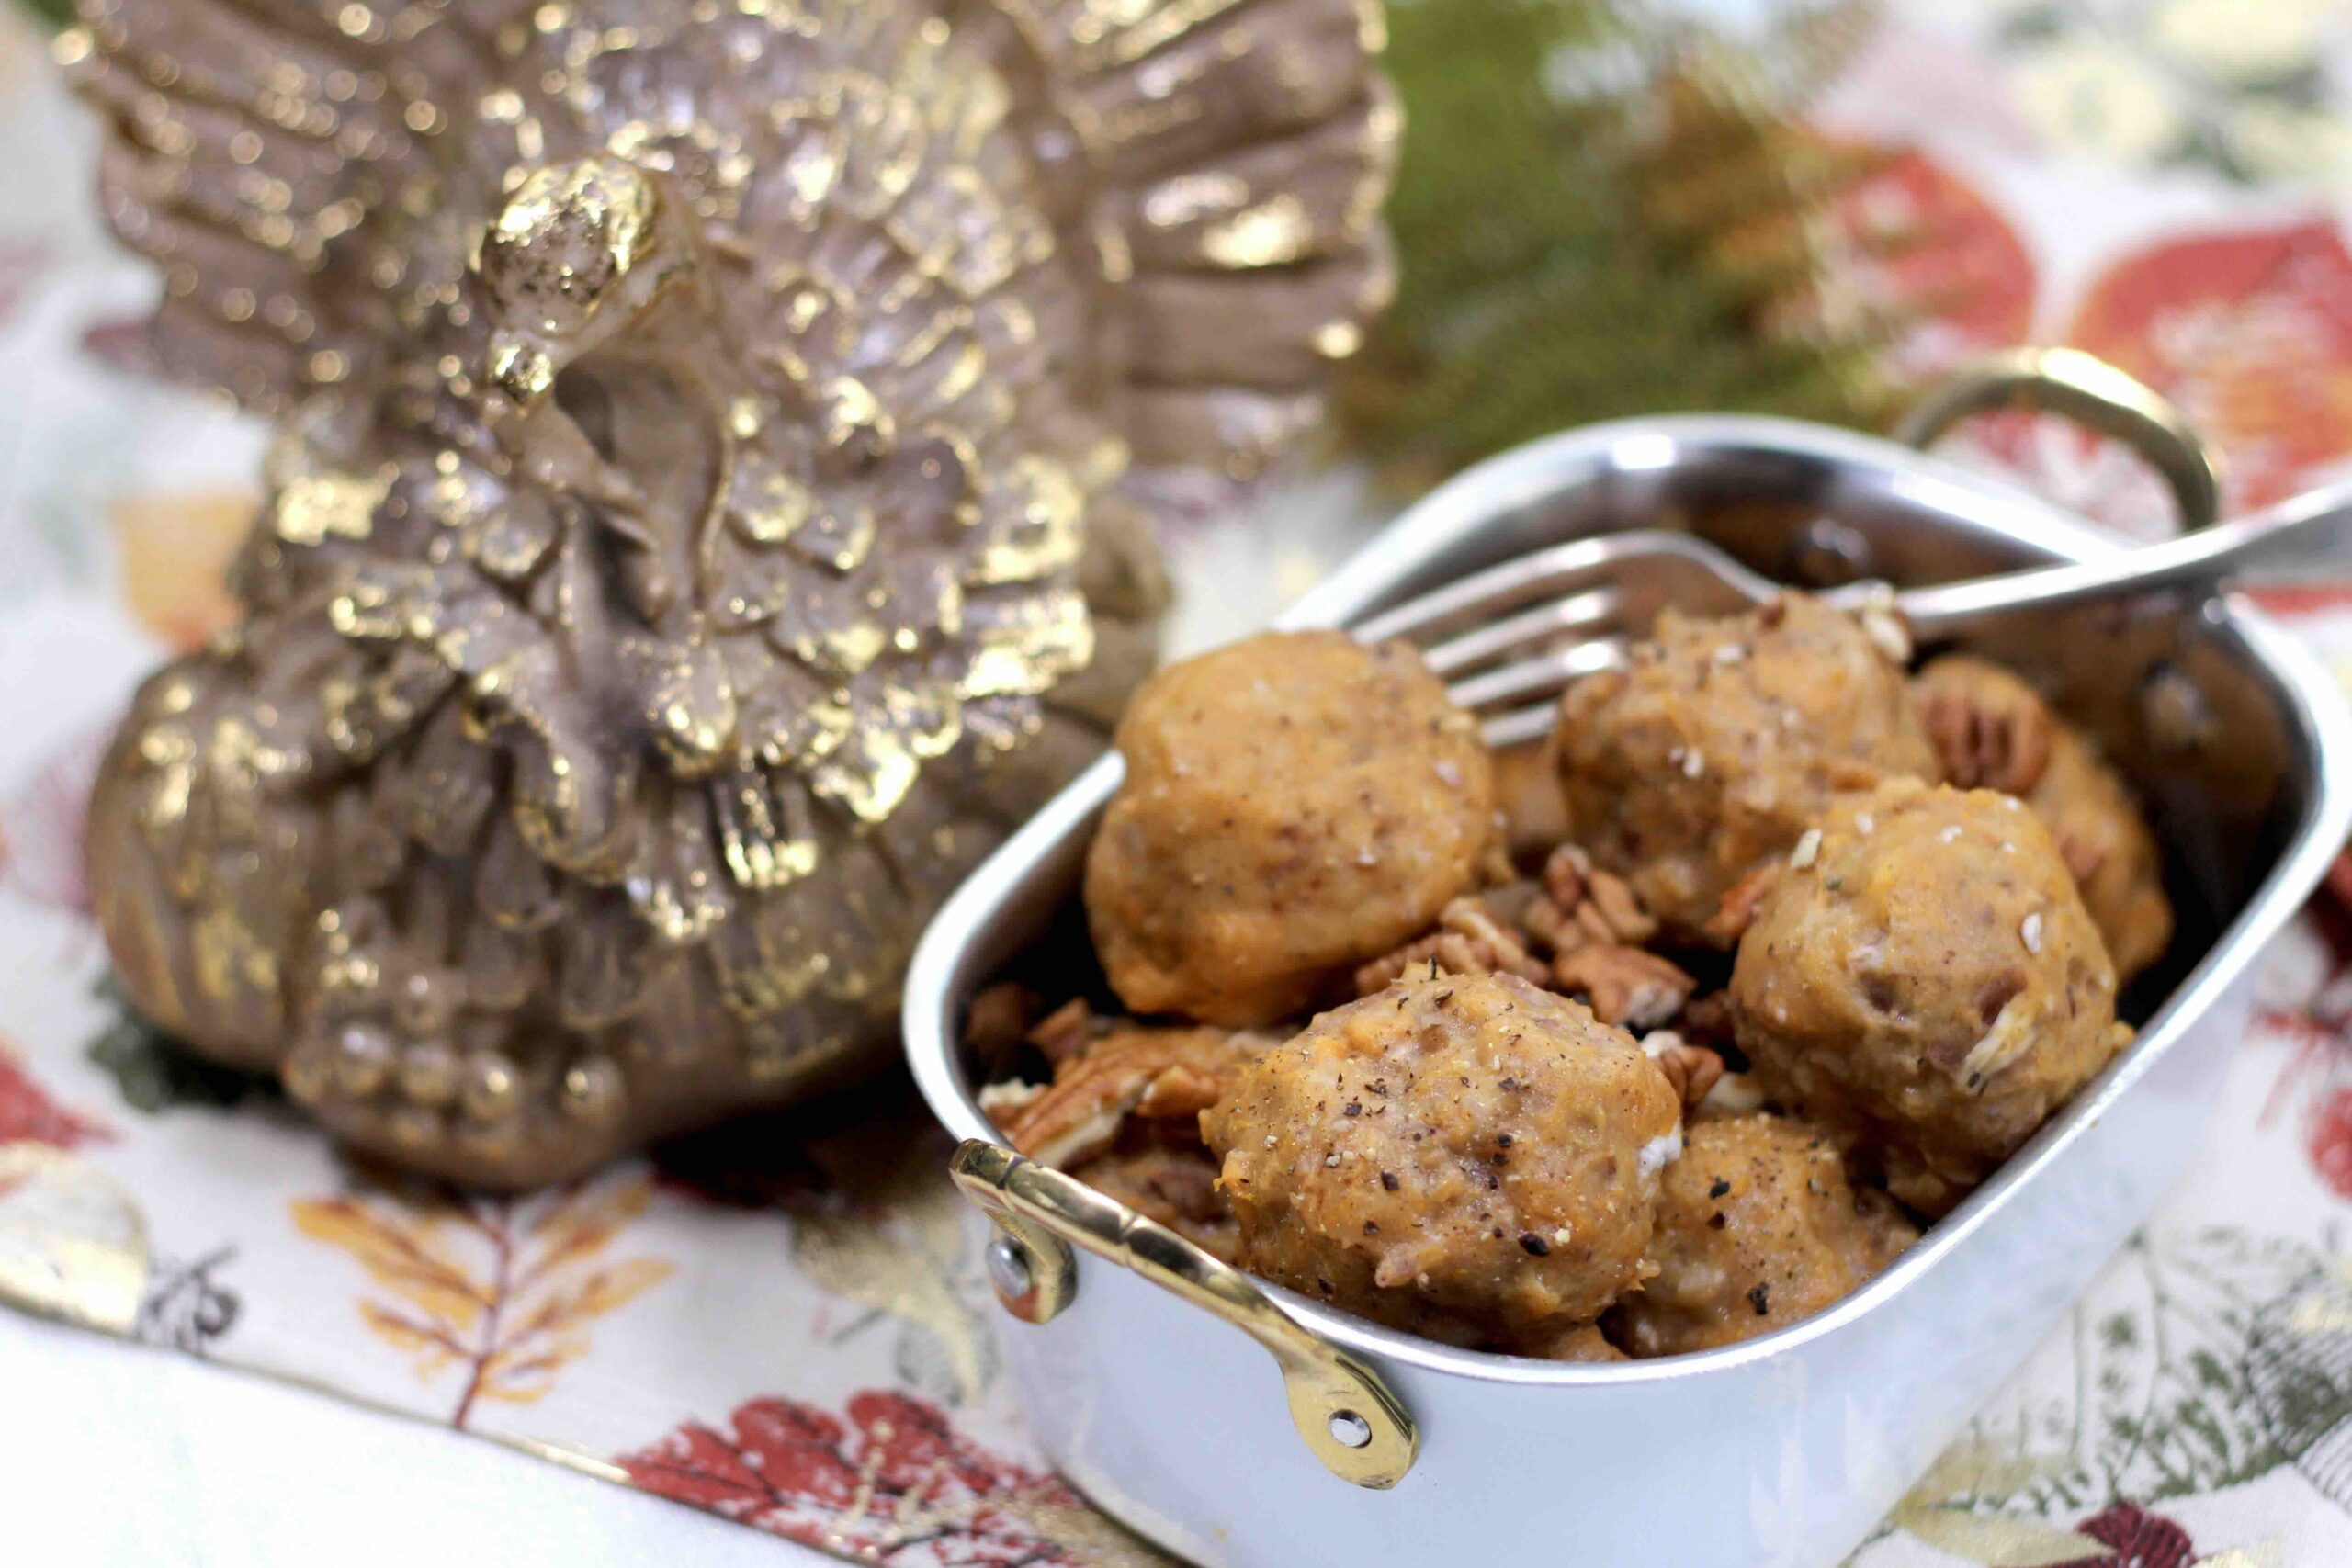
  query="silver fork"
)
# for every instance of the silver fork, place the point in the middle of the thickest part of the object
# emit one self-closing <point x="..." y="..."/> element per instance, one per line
<point x="1510" y="638"/>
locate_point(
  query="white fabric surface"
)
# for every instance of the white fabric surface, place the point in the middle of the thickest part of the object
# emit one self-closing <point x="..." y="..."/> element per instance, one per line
<point x="118" y="1456"/>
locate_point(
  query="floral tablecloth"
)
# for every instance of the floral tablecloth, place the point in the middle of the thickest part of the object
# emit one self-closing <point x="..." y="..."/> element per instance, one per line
<point x="784" y="1324"/>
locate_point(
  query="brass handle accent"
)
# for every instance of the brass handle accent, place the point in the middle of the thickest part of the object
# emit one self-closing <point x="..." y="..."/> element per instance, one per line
<point x="1349" y="1417"/>
<point x="2092" y="392"/>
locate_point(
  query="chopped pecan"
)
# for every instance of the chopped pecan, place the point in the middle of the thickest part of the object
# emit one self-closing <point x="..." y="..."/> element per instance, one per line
<point x="1003" y="1102"/>
<point x="996" y="1023"/>
<point x="1735" y="1094"/>
<point x="1163" y="1074"/>
<point x="1707" y="1020"/>
<point x="1064" y="1032"/>
<point x="1583" y="904"/>
<point x="1553" y="928"/>
<point x="1623" y="985"/>
<point x="1692" y="1069"/>
<point x="1565" y="874"/>
<point x="1469" y="940"/>
<point x="1624" y="914"/>
<point x="1986" y="743"/>
<point x="1165" y="1175"/>
<point x="1737" y="912"/>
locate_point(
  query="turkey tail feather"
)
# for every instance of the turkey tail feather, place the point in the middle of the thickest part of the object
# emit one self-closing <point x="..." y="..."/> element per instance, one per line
<point x="1245" y="147"/>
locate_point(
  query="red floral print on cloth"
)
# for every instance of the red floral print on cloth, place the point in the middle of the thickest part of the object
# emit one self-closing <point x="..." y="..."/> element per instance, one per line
<point x="1917" y="240"/>
<point x="2251" y="333"/>
<point x="894" y="1481"/>
<point x="2318" y="1028"/>
<point x="42" y="825"/>
<point x="2330" y="1141"/>
<point x="2137" y="1538"/>
<point x="28" y="1115"/>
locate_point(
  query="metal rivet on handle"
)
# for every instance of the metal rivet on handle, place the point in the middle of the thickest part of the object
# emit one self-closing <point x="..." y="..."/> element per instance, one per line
<point x="1009" y="1269"/>
<point x="1349" y="1430"/>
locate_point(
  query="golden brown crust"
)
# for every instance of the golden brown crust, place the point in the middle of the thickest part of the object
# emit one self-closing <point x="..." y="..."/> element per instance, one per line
<point x="1295" y="805"/>
<point x="1759" y="1226"/>
<point x="1470" y="1158"/>
<point x="1928" y="982"/>
<point x="1710" y="754"/>
<point x="1996" y="732"/>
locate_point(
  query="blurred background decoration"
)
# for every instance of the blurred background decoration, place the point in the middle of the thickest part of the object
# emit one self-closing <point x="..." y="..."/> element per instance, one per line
<point x="1609" y="208"/>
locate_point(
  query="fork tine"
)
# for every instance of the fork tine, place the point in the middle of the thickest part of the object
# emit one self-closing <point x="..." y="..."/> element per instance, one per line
<point x="1499" y="588"/>
<point x="1545" y="675"/>
<point x="1591" y="609"/>
<point x="1520" y="725"/>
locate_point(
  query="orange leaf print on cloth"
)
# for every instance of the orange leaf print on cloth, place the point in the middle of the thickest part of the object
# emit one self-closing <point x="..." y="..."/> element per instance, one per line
<point x="2251" y="334"/>
<point x="499" y="1292"/>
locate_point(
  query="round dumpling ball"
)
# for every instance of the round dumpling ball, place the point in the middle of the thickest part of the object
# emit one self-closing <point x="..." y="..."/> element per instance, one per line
<point x="1923" y="977"/>
<point x="1758" y="1226"/>
<point x="1295" y="805"/>
<point x="1720" y="742"/>
<point x="1994" y="732"/>
<point x="1470" y="1158"/>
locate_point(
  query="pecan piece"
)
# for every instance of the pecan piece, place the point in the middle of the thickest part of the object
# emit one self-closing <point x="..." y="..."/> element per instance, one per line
<point x="1583" y="904"/>
<point x="1160" y="1074"/>
<point x="1986" y="743"/>
<point x="1623" y="985"/>
<point x="1707" y="1020"/>
<point x="996" y="1023"/>
<point x="1469" y="940"/>
<point x="1693" y="1070"/>
<point x="1740" y="901"/>
<point x="1064" y="1032"/>
<point x="1563" y="875"/>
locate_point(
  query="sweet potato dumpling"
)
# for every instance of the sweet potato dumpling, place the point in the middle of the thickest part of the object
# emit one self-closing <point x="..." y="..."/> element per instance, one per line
<point x="1708" y="755"/>
<point x="1994" y="732"/>
<point x="1295" y="805"/>
<point x="1757" y="1227"/>
<point x="1923" y="977"/>
<point x="1471" y="1158"/>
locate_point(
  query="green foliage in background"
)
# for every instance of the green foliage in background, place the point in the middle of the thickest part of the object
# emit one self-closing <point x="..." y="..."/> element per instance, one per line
<point x="56" y="13"/>
<point x="1602" y="212"/>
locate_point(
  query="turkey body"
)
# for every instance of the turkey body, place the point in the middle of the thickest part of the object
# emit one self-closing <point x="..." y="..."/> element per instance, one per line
<point x="694" y="537"/>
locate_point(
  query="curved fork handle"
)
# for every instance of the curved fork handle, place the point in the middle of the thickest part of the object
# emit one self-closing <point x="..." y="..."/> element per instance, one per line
<point x="1343" y="1410"/>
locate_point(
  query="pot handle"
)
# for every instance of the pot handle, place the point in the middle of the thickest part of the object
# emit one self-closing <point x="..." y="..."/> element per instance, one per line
<point x="1349" y="1417"/>
<point x="2090" y="392"/>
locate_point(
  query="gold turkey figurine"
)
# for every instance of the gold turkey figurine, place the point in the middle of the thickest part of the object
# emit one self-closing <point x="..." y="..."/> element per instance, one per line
<point x="692" y="540"/>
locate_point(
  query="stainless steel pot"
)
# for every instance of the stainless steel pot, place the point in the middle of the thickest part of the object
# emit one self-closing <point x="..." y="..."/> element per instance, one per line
<point x="1143" y="1362"/>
